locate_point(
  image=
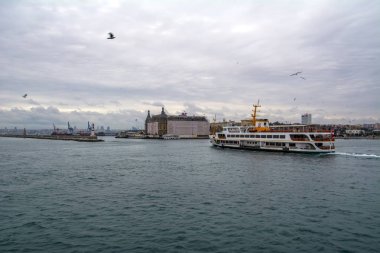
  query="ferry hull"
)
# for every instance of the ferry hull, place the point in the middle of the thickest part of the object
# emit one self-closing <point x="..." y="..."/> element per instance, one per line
<point x="286" y="150"/>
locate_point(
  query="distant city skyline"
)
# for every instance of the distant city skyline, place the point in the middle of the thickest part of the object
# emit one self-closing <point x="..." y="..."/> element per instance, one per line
<point x="205" y="58"/>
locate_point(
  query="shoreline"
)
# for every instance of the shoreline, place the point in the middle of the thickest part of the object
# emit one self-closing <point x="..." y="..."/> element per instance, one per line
<point x="358" y="138"/>
<point x="58" y="137"/>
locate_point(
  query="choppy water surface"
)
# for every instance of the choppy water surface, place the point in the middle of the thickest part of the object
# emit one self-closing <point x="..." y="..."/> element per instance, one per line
<point x="127" y="195"/>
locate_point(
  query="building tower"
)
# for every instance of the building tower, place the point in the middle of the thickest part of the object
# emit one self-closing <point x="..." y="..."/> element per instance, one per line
<point x="306" y="119"/>
<point x="162" y="123"/>
<point x="147" y="120"/>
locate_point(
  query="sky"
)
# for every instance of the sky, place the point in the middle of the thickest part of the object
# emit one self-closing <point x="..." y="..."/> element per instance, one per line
<point x="211" y="58"/>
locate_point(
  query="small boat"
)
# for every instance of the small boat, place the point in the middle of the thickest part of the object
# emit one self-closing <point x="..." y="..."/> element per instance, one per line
<point x="286" y="138"/>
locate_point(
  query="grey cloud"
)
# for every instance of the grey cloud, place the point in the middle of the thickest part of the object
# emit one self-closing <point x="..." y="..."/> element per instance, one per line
<point x="192" y="55"/>
<point x="41" y="118"/>
<point x="159" y="104"/>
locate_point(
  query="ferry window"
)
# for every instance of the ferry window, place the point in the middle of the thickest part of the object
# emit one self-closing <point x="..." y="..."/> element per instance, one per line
<point x="263" y="136"/>
<point x="269" y="136"/>
<point x="275" y="136"/>
<point x="228" y="135"/>
<point x="292" y="144"/>
<point x="282" y="136"/>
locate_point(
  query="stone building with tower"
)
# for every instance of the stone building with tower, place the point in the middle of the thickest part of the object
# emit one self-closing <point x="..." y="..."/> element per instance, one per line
<point x="183" y="126"/>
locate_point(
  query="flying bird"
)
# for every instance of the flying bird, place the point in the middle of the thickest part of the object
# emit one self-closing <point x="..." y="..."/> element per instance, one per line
<point x="24" y="96"/>
<point x="294" y="99"/>
<point x="294" y="74"/>
<point x="111" y="37"/>
<point x="303" y="77"/>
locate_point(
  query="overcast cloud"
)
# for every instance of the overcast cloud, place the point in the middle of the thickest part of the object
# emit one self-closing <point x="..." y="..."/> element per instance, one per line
<point x="203" y="57"/>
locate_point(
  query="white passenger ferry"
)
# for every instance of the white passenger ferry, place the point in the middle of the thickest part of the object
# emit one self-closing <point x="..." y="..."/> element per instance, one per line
<point x="286" y="138"/>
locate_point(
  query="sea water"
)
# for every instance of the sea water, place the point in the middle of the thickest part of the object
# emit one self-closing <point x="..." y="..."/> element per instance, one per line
<point x="130" y="195"/>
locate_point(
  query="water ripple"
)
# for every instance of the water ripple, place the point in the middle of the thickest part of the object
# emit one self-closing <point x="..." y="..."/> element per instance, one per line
<point x="157" y="196"/>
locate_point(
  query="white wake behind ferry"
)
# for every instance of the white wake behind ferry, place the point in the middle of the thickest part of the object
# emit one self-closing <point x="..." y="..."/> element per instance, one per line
<point x="286" y="138"/>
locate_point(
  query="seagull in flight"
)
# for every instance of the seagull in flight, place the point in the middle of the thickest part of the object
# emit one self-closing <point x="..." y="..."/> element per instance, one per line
<point x="294" y="74"/>
<point x="111" y="37"/>
<point x="24" y="96"/>
<point x="303" y="77"/>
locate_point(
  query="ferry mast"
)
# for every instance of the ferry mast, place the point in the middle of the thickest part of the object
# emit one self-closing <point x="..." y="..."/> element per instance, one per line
<point x="254" y="110"/>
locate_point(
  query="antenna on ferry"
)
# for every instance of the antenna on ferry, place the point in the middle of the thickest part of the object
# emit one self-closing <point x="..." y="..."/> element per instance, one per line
<point x="254" y="112"/>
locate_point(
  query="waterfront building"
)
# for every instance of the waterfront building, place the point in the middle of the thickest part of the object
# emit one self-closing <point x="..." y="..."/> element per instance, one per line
<point x="306" y="119"/>
<point x="355" y="132"/>
<point x="183" y="126"/>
